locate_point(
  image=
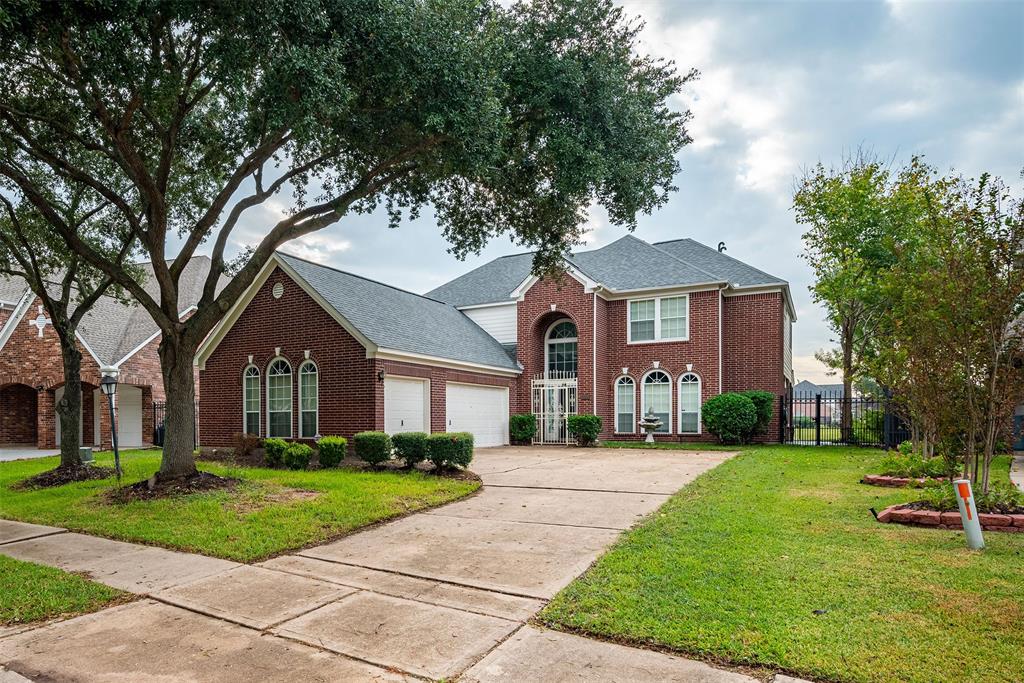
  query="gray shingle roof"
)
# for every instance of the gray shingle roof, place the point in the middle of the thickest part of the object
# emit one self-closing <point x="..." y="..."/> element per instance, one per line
<point x="731" y="270"/>
<point x="113" y="328"/>
<point x="395" y="319"/>
<point x="627" y="264"/>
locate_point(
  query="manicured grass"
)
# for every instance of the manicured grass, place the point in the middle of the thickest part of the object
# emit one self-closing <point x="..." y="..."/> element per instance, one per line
<point x="30" y="592"/>
<point x="259" y="519"/>
<point x="735" y="566"/>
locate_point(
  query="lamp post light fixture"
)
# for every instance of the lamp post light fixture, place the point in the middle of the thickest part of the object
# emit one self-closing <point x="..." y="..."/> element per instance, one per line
<point x="108" y="385"/>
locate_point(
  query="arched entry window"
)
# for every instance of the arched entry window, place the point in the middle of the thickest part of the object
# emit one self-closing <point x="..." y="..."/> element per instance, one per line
<point x="309" y="400"/>
<point x="251" y="400"/>
<point x="657" y="399"/>
<point x="279" y="399"/>
<point x="625" y="406"/>
<point x="560" y="349"/>
<point x="689" y="404"/>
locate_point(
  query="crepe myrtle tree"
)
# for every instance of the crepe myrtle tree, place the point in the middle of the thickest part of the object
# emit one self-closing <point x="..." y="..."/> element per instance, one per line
<point x="67" y="285"/>
<point x="507" y="120"/>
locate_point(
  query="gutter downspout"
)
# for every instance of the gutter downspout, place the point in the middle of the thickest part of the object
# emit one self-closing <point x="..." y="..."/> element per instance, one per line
<point x="720" y="295"/>
<point x="593" y="353"/>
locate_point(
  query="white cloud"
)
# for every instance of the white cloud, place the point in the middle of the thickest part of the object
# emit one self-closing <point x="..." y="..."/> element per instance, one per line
<point x="810" y="368"/>
<point x="768" y="164"/>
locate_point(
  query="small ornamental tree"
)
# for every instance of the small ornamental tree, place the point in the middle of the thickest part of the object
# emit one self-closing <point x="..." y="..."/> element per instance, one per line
<point x="731" y="417"/>
<point x="184" y="116"/>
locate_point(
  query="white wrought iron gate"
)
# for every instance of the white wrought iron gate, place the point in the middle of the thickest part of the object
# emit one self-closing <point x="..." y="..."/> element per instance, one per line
<point x="554" y="400"/>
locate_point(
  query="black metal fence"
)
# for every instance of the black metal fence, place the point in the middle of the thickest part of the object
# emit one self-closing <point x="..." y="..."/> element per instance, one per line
<point x="837" y="420"/>
<point x="159" y="425"/>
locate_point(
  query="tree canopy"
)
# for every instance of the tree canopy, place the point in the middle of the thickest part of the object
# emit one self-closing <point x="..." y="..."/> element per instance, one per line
<point x="506" y="120"/>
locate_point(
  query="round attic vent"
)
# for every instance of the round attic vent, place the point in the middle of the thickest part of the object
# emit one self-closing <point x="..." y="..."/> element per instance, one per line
<point x="278" y="290"/>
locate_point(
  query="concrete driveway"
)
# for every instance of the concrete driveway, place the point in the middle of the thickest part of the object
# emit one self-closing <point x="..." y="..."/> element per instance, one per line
<point x="9" y="453"/>
<point x="441" y="594"/>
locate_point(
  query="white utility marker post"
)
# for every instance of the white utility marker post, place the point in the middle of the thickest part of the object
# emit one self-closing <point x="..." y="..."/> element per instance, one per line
<point x="969" y="514"/>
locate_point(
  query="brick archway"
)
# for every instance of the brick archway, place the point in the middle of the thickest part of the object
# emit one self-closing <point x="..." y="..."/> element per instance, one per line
<point x="19" y="416"/>
<point x="538" y="333"/>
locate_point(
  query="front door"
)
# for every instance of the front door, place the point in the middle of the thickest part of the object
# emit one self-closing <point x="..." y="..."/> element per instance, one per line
<point x="553" y="402"/>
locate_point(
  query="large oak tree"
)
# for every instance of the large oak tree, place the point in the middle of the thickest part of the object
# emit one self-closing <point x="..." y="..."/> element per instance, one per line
<point x="506" y="120"/>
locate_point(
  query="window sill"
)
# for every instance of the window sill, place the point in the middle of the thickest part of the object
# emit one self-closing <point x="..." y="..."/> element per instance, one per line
<point x="658" y="341"/>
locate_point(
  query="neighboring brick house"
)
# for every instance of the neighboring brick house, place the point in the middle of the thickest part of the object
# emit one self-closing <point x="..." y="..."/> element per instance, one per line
<point x="630" y="327"/>
<point x="114" y="338"/>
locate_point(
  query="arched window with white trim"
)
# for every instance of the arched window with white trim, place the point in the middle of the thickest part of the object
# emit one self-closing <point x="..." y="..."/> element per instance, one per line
<point x="560" y="349"/>
<point x="625" y="406"/>
<point x="309" y="400"/>
<point x="279" y="399"/>
<point x="251" y="400"/>
<point x="656" y="397"/>
<point x="689" y="403"/>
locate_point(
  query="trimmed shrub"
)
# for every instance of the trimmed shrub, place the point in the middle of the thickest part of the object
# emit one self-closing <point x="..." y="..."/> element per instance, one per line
<point x="297" y="456"/>
<point x="410" y="447"/>
<point x="245" y="444"/>
<point x="372" y="447"/>
<point x="764" y="402"/>
<point x="450" y="449"/>
<point x="585" y="428"/>
<point x="522" y="428"/>
<point x="730" y="417"/>
<point x="273" y="451"/>
<point x="332" y="450"/>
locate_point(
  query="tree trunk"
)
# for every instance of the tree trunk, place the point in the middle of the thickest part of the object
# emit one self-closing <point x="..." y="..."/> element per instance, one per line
<point x="69" y="407"/>
<point x="176" y="358"/>
<point x="846" y="416"/>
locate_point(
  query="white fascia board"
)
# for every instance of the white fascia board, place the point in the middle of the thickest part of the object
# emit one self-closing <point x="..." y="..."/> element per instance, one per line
<point x="436" y="361"/>
<point x="216" y="336"/>
<point x="490" y="305"/>
<point x="614" y="294"/>
<point x="85" y="345"/>
<point x="16" y="317"/>
<point x="575" y="273"/>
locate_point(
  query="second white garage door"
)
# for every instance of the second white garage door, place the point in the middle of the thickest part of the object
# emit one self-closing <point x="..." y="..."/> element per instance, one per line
<point x="406" y="405"/>
<point x="480" y="410"/>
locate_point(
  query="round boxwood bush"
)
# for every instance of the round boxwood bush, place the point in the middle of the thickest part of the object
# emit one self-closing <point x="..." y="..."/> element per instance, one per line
<point x="410" y="447"/>
<point x="764" y="402"/>
<point x="730" y="417"/>
<point x="450" y="449"/>
<point x="297" y="456"/>
<point x="273" y="451"/>
<point x="332" y="450"/>
<point x="372" y="447"/>
<point x="522" y="428"/>
<point x="585" y="428"/>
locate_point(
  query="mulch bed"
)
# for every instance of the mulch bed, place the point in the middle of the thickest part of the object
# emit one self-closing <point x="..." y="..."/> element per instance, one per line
<point x="899" y="482"/>
<point x="61" y="476"/>
<point x="152" y="489"/>
<point x="916" y="514"/>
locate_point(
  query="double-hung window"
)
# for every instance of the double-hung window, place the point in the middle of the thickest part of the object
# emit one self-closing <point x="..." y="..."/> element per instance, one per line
<point x="279" y="399"/>
<point x="309" y="399"/>
<point x="251" y="400"/>
<point x="659" y="319"/>
<point x="625" y="404"/>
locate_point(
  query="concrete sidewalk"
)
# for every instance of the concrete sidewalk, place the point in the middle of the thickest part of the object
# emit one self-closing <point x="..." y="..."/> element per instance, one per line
<point x="441" y="594"/>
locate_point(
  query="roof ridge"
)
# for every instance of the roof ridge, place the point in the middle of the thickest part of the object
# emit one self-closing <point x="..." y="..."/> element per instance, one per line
<point x="731" y="258"/>
<point x="362" y="277"/>
<point x="717" y="278"/>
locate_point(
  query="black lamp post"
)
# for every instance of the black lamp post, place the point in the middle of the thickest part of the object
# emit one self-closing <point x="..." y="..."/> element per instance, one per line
<point x="108" y="385"/>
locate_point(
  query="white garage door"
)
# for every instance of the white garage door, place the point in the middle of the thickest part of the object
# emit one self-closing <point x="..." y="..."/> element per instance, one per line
<point x="480" y="410"/>
<point x="406" y="405"/>
<point x="129" y="416"/>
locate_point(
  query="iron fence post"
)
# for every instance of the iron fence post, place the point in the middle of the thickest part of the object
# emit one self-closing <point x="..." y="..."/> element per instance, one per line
<point x="817" y="419"/>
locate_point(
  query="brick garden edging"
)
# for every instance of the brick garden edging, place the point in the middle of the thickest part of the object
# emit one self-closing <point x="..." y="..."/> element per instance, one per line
<point x="896" y="482"/>
<point x="901" y="514"/>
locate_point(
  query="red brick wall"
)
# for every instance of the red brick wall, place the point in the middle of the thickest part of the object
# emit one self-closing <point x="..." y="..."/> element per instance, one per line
<point x="753" y="339"/>
<point x="351" y="395"/>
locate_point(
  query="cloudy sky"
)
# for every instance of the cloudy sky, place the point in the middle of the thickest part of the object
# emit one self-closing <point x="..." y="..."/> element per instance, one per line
<point x="783" y="86"/>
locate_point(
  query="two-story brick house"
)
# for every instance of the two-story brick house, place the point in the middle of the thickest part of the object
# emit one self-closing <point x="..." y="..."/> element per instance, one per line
<point x="629" y="328"/>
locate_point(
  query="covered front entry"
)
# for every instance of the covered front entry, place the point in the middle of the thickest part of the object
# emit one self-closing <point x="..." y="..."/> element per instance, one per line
<point x="554" y="400"/>
<point x="128" y="409"/>
<point x="480" y="410"/>
<point x="406" y="405"/>
<point x="19" y="417"/>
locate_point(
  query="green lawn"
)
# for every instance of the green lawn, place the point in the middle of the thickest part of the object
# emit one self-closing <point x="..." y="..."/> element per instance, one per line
<point x="260" y="519"/>
<point x="30" y="592"/>
<point x="735" y="566"/>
